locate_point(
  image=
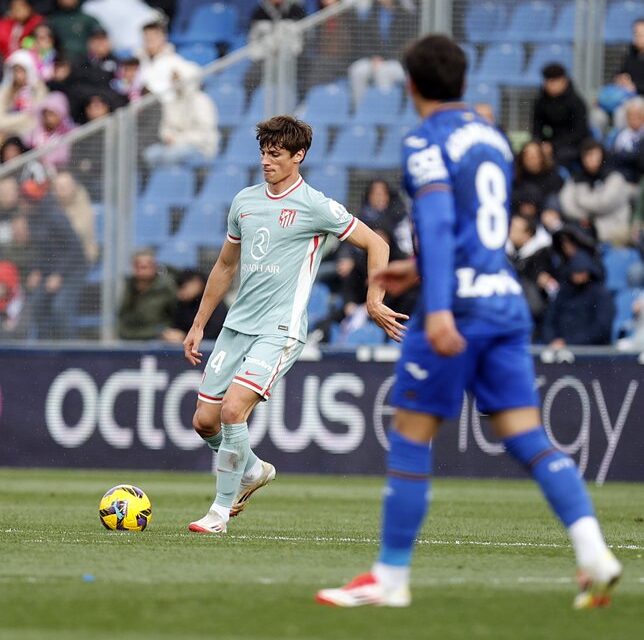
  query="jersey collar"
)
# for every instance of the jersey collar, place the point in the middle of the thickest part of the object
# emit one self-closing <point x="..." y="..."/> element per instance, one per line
<point x="286" y="192"/>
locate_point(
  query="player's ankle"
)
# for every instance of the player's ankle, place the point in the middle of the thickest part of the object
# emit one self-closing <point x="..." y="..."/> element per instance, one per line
<point x="254" y="473"/>
<point x="391" y="577"/>
<point x="587" y="541"/>
<point x="221" y="511"/>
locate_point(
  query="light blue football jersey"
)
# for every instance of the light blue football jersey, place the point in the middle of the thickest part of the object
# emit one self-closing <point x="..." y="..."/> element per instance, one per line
<point x="282" y="239"/>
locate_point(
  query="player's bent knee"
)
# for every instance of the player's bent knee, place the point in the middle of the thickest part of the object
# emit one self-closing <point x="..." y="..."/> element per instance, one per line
<point x="233" y="411"/>
<point x="205" y="423"/>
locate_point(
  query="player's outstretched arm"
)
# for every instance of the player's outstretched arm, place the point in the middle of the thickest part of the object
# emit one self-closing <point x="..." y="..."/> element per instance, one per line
<point x="377" y="257"/>
<point x="398" y="276"/>
<point x="219" y="281"/>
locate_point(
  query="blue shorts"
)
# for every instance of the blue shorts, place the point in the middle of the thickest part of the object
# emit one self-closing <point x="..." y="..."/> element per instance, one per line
<point x="497" y="369"/>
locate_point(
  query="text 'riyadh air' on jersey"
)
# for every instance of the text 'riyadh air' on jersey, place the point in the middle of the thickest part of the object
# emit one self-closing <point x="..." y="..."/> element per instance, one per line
<point x="458" y="173"/>
<point x="282" y="239"/>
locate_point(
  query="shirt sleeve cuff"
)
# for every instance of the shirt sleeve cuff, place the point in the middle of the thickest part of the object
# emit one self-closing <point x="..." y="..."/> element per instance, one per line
<point x="350" y="228"/>
<point x="233" y="239"/>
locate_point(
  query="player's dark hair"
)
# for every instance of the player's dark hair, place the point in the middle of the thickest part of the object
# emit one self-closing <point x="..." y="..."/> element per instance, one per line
<point x="286" y="132"/>
<point x="436" y="66"/>
<point x="553" y="70"/>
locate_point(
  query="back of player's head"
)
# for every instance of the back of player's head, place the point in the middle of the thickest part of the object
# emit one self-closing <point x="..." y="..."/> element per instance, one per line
<point x="286" y="132"/>
<point x="436" y="65"/>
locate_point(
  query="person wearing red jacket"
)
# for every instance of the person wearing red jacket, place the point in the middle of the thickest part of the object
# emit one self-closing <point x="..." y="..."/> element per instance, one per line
<point x="18" y="24"/>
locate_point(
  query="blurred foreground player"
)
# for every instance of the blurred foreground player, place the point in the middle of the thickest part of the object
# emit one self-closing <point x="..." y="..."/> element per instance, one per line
<point x="276" y="234"/>
<point x="470" y="331"/>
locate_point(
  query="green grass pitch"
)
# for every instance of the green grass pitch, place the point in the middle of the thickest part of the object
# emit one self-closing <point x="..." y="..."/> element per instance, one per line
<point x="492" y="563"/>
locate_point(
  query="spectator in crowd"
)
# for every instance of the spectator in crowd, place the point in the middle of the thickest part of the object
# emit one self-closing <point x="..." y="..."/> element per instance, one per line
<point x="535" y="177"/>
<point x="17" y="26"/>
<point x="12" y="302"/>
<point x="21" y="92"/>
<point x="190" y="287"/>
<point x="44" y="49"/>
<point x="149" y="301"/>
<point x="73" y="200"/>
<point x="11" y="148"/>
<point x="99" y="65"/>
<point x="167" y="7"/>
<point x="631" y="72"/>
<point x="559" y="116"/>
<point x="628" y="146"/>
<point x="123" y="20"/>
<point x="379" y="33"/>
<point x="188" y="123"/>
<point x="56" y="278"/>
<point x="73" y="27"/>
<point x="128" y="81"/>
<point x="528" y="248"/>
<point x="583" y="310"/>
<point x="597" y="196"/>
<point x="53" y="123"/>
<point x="159" y="60"/>
<point x="97" y="105"/>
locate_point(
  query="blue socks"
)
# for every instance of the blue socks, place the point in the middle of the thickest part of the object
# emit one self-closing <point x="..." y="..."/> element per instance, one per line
<point x="555" y="472"/>
<point x="406" y="498"/>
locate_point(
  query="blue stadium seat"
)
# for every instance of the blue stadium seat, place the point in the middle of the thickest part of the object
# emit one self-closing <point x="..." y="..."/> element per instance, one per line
<point x="543" y="55"/>
<point x="200" y="52"/>
<point x="623" y="321"/>
<point x="530" y="22"/>
<point x="483" y="92"/>
<point x="179" y="253"/>
<point x="379" y="107"/>
<point x="409" y="118"/>
<point x="318" y="152"/>
<point x="327" y="104"/>
<point x="332" y="181"/>
<point x="501" y="63"/>
<point x="484" y="21"/>
<point x="204" y="224"/>
<point x="355" y="144"/>
<point x="229" y="99"/>
<point x="369" y="334"/>
<point x="185" y="9"/>
<point x="214" y="22"/>
<point x="389" y="153"/>
<point x="242" y="149"/>
<point x="470" y="54"/>
<point x="170" y="186"/>
<point x="223" y="183"/>
<point x="257" y="107"/>
<point x="318" y="308"/>
<point x="564" y="27"/>
<point x="617" y="261"/>
<point x="151" y="224"/>
<point x="619" y="20"/>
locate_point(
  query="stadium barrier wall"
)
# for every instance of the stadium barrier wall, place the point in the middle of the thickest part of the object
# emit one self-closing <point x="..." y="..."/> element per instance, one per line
<point x="129" y="408"/>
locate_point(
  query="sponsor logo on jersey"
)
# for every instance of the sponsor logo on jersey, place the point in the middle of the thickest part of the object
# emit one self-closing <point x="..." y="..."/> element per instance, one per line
<point x="485" y="285"/>
<point x="464" y="138"/>
<point x="260" y="363"/>
<point x="261" y="241"/>
<point x="427" y="166"/>
<point x="287" y="217"/>
<point x="415" y="142"/>
<point x="245" y="215"/>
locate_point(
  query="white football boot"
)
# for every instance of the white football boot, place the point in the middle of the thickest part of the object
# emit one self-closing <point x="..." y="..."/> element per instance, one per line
<point x="365" y="589"/>
<point x="212" y="522"/>
<point x="596" y="583"/>
<point x="246" y="489"/>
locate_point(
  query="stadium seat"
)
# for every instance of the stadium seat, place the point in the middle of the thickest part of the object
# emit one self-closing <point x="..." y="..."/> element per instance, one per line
<point x="229" y="99"/>
<point x="223" y="183"/>
<point x="530" y="22"/>
<point x="318" y="307"/>
<point x="501" y="63"/>
<point x="355" y="144"/>
<point x="200" y="52"/>
<point x="327" y="104"/>
<point x="257" y="106"/>
<point x="389" y="153"/>
<point x="564" y="27"/>
<point x="185" y="9"/>
<point x="317" y="154"/>
<point x="332" y="181"/>
<point x="369" y="334"/>
<point x="204" y="224"/>
<point x="617" y="261"/>
<point x="409" y="118"/>
<point x="623" y="321"/>
<point x="170" y="186"/>
<point x="242" y="149"/>
<point x="620" y="16"/>
<point x="543" y="55"/>
<point x="179" y="253"/>
<point x="212" y="23"/>
<point x="151" y="224"/>
<point x="484" y="21"/>
<point x="470" y="54"/>
<point x="483" y="92"/>
<point x="379" y="107"/>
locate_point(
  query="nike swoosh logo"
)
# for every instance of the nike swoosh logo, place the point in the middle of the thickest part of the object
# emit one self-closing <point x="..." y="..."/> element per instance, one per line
<point x="245" y="215"/>
<point x="248" y="373"/>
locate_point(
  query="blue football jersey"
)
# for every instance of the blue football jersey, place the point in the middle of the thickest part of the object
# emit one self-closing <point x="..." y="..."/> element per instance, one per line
<point x="457" y="170"/>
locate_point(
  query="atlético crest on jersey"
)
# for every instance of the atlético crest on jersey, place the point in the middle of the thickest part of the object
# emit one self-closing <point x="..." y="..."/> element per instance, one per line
<point x="287" y="217"/>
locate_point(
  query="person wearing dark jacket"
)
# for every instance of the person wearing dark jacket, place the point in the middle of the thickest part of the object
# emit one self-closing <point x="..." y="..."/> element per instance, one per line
<point x="149" y="300"/>
<point x="631" y="71"/>
<point x="559" y="116"/>
<point x="582" y="312"/>
<point x="535" y="176"/>
<point x="72" y="26"/>
<point x="55" y="281"/>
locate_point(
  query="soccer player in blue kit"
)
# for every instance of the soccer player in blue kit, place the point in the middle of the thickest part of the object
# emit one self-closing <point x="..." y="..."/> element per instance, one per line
<point x="470" y="331"/>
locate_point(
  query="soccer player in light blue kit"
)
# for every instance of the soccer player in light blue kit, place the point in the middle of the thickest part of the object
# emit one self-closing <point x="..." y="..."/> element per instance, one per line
<point x="471" y="331"/>
<point x="277" y="231"/>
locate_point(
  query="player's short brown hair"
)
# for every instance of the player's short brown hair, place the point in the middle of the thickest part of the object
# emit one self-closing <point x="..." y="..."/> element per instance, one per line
<point x="286" y="132"/>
